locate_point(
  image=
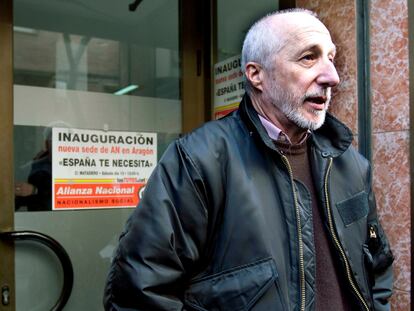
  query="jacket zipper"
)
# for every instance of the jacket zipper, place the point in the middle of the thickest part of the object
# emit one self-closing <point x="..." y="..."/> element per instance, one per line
<point x="336" y="240"/>
<point x="300" y="242"/>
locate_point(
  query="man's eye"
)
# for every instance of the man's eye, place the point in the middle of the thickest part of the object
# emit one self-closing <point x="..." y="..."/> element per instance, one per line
<point x="308" y="58"/>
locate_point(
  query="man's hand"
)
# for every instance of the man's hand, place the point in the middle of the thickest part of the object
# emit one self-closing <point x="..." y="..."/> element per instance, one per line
<point x="24" y="189"/>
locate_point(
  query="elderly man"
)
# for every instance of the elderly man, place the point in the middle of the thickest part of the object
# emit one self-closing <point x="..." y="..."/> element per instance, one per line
<point x="269" y="208"/>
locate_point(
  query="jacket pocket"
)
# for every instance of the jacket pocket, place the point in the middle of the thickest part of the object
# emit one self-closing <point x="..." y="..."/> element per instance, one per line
<point x="354" y="208"/>
<point x="236" y="289"/>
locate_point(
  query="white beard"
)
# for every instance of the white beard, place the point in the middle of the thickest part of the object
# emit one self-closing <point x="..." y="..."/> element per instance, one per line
<point x="291" y="105"/>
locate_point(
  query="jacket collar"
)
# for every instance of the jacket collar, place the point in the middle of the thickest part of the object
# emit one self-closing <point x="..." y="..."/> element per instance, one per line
<point x="331" y="139"/>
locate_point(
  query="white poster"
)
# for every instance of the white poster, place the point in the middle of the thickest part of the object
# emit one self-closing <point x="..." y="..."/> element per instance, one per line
<point x="228" y="86"/>
<point x="100" y="169"/>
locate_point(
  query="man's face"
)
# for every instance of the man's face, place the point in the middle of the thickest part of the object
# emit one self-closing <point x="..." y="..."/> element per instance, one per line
<point x="300" y="80"/>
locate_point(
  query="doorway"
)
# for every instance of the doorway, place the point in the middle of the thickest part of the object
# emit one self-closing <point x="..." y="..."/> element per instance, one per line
<point x="94" y="99"/>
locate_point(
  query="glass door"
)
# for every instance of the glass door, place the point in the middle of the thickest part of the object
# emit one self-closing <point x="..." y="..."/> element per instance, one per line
<point x="96" y="100"/>
<point x="233" y="20"/>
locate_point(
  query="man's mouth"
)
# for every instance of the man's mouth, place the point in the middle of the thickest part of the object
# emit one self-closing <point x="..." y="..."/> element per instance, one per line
<point x="316" y="102"/>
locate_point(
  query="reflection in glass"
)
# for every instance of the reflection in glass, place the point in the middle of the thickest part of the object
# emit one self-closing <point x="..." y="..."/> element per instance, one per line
<point x="234" y="18"/>
<point x="70" y="57"/>
<point x="34" y="192"/>
<point x="90" y="65"/>
<point x="73" y="62"/>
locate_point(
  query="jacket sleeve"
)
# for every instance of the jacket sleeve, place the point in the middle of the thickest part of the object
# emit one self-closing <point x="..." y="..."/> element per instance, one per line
<point x="380" y="260"/>
<point x="161" y="244"/>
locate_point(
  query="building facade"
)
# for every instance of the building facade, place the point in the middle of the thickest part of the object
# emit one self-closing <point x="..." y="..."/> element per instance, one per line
<point x="105" y="86"/>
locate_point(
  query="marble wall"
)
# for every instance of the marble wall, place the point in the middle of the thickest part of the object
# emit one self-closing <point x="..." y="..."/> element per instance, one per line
<point x="390" y="114"/>
<point x="390" y="122"/>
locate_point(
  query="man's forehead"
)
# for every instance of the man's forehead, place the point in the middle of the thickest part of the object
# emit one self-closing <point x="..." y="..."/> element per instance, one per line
<point x="300" y="30"/>
<point x="307" y="39"/>
<point x="297" y="20"/>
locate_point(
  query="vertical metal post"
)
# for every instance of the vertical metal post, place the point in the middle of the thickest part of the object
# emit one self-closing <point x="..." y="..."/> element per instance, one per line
<point x="287" y="4"/>
<point x="364" y="82"/>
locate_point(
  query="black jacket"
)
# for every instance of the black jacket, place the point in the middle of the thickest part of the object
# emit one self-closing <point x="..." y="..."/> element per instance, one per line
<point x="223" y="225"/>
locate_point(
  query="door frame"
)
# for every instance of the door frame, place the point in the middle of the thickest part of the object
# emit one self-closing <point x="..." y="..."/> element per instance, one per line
<point x="6" y="154"/>
<point x="195" y="49"/>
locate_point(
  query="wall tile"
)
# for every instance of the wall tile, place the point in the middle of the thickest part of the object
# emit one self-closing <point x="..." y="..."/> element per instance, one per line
<point x="389" y="65"/>
<point x="391" y="179"/>
<point x="390" y="120"/>
<point x="400" y="301"/>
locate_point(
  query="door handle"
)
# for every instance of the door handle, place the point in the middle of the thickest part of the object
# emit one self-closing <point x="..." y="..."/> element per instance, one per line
<point x="5" y="295"/>
<point x="60" y="252"/>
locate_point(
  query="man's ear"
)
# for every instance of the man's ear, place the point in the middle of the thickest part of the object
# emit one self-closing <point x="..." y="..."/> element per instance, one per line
<point x="255" y="74"/>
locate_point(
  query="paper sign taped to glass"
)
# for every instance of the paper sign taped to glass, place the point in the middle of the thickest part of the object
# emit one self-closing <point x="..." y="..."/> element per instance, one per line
<point x="100" y="169"/>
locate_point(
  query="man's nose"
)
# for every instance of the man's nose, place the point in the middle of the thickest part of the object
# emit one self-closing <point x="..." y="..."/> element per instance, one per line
<point x="328" y="75"/>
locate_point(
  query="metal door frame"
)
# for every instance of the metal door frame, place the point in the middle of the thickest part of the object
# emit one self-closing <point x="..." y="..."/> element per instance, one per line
<point x="6" y="151"/>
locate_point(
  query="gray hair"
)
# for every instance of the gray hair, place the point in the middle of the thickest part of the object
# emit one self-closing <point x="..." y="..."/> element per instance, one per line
<point x="262" y="43"/>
